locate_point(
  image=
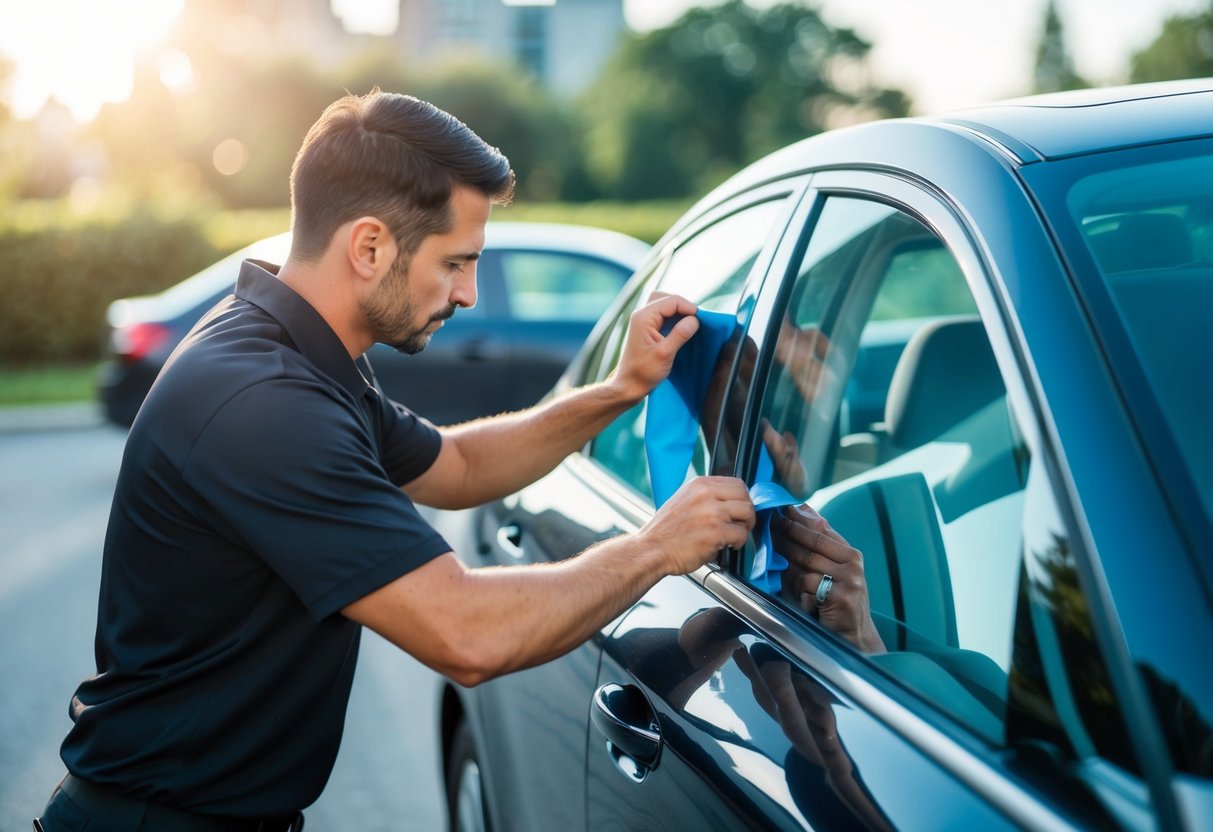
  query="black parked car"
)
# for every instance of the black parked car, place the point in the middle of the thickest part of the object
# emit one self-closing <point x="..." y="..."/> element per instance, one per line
<point x="988" y="335"/>
<point x="541" y="289"/>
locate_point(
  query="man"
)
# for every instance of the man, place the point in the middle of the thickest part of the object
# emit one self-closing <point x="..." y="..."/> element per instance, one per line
<point x="264" y="508"/>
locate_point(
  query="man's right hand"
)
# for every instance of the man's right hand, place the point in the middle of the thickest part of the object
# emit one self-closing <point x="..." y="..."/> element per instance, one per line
<point x="704" y="516"/>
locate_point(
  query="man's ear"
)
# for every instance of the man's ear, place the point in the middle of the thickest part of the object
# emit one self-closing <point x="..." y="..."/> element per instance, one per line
<point x="371" y="248"/>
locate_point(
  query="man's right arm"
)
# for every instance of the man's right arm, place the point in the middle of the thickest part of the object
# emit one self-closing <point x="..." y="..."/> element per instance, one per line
<point x="475" y="624"/>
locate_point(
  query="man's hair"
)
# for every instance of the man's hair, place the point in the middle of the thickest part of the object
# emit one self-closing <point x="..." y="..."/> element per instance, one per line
<point x="389" y="156"/>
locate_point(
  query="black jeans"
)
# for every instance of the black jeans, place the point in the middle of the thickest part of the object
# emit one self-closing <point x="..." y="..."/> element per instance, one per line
<point x="77" y="804"/>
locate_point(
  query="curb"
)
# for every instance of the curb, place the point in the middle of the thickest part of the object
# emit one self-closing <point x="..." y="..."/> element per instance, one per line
<point x="38" y="418"/>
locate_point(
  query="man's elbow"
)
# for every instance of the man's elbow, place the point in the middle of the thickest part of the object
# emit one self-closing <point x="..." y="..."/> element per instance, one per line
<point x="470" y="664"/>
<point x="469" y="678"/>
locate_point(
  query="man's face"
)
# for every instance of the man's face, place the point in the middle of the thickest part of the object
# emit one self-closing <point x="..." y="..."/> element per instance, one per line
<point x="419" y="292"/>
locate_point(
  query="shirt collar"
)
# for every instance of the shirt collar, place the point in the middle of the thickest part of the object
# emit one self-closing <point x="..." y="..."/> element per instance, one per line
<point x="314" y="338"/>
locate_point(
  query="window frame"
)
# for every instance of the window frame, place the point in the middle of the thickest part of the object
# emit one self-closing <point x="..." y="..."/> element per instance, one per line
<point x="597" y="349"/>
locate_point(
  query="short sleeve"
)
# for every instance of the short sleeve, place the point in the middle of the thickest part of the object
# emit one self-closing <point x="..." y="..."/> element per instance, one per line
<point x="408" y="443"/>
<point x="292" y="473"/>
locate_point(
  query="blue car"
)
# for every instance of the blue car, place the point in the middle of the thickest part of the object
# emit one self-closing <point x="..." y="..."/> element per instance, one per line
<point x="981" y="346"/>
<point x="541" y="288"/>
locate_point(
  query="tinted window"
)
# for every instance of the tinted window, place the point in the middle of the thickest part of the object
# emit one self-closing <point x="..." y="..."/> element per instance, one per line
<point x="710" y="270"/>
<point x="553" y="286"/>
<point x="886" y="410"/>
<point x="1149" y="228"/>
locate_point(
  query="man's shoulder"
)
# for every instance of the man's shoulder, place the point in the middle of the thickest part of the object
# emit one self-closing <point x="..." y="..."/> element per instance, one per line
<point x="237" y="362"/>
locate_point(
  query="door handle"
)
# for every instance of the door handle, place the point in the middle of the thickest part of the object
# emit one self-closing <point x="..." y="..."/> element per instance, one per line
<point x="509" y="539"/>
<point x="623" y="716"/>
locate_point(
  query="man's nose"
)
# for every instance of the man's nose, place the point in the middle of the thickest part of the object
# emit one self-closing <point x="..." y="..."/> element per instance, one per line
<point x="463" y="293"/>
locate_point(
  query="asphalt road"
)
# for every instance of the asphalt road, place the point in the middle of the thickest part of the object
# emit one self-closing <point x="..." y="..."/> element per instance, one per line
<point x="56" y="481"/>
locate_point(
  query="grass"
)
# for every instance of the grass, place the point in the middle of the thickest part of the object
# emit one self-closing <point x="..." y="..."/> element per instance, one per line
<point x="52" y="384"/>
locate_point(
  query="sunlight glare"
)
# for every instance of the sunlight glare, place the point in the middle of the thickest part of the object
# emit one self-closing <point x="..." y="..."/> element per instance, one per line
<point x="176" y="71"/>
<point x="230" y="157"/>
<point x="80" y="52"/>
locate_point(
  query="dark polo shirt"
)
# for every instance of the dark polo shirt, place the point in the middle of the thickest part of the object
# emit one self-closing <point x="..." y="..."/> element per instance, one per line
<point x="258" y="495"/>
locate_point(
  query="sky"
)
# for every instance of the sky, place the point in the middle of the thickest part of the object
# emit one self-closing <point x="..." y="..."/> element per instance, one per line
<point x="945" y="53"/>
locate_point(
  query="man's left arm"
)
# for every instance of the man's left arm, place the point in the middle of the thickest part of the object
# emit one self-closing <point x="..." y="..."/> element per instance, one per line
<point x="489" y="458"/>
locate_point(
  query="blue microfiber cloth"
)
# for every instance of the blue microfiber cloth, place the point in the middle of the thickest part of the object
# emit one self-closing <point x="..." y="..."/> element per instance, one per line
<point x="672" y="428"/>
<point x="672" y="424"/>
<point x="766" y="570"/>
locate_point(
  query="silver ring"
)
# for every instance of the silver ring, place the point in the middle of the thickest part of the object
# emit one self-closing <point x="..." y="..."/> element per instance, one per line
<point x="823" y="589"/>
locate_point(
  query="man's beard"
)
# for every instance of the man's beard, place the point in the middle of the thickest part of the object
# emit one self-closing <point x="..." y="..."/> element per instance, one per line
<point x="420" y="339"/>
<point x="390" y="312"/>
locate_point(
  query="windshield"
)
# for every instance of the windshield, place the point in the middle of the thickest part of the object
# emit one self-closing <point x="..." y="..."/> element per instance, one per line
<point x="1145" y="220"/>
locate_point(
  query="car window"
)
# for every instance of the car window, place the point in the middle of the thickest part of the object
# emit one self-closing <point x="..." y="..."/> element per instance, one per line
<point x="884" y="408"/>
<point x="556" y="286"/>
<point x="709" y="269"/>
<point x="1150" y="234"/>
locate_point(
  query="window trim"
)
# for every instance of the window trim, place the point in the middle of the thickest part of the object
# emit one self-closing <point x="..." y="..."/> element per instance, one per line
<point x="957" y="750"/>
<point x="790" y="189"/>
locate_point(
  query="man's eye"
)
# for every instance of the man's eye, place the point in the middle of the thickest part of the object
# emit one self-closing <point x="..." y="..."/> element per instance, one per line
<point x="456" y="266"/>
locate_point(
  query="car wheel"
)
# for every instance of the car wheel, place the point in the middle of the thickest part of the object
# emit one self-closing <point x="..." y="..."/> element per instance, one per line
<point x="464" y="794"/>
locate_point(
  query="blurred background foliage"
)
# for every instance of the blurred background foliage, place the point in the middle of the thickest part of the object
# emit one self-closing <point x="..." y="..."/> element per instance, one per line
<point x="160" y="185"/>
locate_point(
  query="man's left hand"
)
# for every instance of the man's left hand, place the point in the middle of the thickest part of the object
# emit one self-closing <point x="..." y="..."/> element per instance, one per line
<point x="648" y="353"/>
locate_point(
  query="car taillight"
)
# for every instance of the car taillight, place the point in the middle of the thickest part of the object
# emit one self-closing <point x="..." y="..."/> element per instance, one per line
<point x="135" y="341"/>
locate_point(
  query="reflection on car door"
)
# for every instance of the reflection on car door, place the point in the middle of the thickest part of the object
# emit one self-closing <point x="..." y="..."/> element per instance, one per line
<point x="534" y="721"/>
<point x="748" y="736"/>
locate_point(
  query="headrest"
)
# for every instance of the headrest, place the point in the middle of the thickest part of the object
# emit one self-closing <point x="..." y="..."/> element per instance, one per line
<point x="946" y="373"/>
<point x="1143" y="241"/>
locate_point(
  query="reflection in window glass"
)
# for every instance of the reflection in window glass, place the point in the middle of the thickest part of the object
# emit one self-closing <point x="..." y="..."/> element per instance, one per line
<point x="710" y="270"/>
<point x="1149" y="230"/>
<point x="887" y="412"/>
<point x="1060" y="690"/>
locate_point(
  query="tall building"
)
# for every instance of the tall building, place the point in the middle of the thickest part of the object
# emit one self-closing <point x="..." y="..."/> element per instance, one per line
<point x="299" y="27"/>
<point x="563" y="43"/>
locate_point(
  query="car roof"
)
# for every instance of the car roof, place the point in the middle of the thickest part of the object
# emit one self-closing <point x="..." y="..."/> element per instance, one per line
<point x="582" y="239"/>
<point x="183" y="297"/>
<point x="1020" y="131"/>
<point x="542" y="236"/>
<point x="1089" y="121"/>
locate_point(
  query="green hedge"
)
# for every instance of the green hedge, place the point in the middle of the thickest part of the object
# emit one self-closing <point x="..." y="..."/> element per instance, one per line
<point x="59" y="273"/>
<point x="58" y="279"/>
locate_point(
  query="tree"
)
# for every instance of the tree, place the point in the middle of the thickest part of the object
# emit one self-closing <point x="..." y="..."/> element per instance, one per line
<point x="233" y="136"/>
<point x="508" y="109"/>
<point x="10" y="166"/>
<point x="6" y="70"/>
<point x="1054" y="68"/>
<point x="679" y="108"/>
<point x="1184" y="49"/>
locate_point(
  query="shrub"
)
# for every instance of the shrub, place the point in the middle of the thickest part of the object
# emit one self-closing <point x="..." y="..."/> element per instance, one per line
<point x="59" y="277"/>
<point x="61" y="271"/>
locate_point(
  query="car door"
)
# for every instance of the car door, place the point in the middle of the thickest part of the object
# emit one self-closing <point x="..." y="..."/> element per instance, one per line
<point x="534" y="723"/>
<point x="989" y="702"/>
